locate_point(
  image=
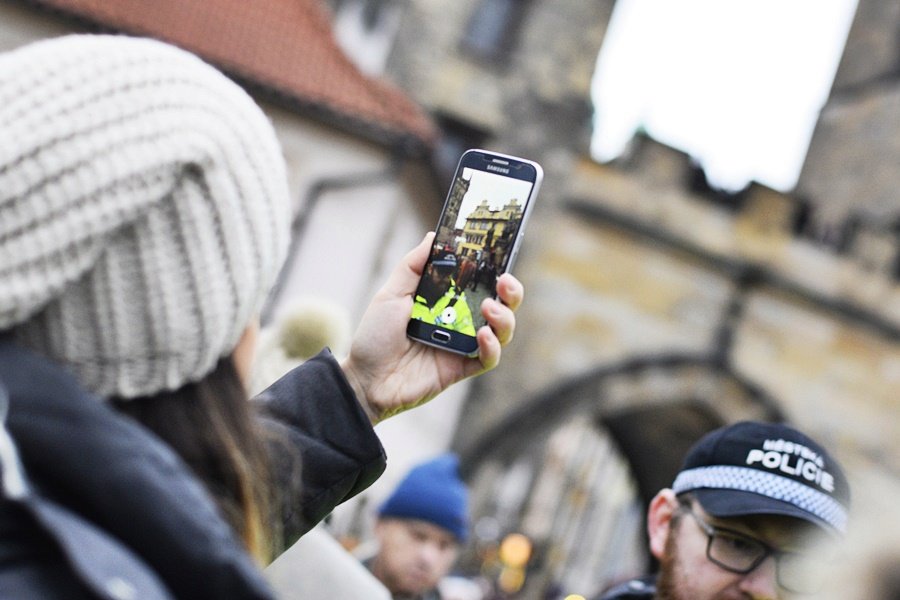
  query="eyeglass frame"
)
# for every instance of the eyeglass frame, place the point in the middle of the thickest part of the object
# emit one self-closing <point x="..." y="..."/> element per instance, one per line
<point x="711" y="531"/>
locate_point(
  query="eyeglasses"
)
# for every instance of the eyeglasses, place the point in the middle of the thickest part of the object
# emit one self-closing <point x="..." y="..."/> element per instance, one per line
<point x="741" y="554"/>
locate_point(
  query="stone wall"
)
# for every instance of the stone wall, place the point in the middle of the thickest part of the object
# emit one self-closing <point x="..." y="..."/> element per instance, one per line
<point x="849" y="173"/>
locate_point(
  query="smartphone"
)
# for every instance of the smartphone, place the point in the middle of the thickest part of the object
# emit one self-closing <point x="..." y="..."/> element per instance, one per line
<point x="477" y="239"/>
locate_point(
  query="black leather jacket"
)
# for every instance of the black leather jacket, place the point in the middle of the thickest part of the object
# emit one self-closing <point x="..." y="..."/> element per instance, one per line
<point x="92" y="505"/>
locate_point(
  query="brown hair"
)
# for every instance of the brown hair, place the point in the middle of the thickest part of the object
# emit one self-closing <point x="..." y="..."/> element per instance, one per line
<point x="211" y="425"/>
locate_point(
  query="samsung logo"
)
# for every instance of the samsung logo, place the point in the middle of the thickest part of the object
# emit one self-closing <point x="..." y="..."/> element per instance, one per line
<point x="498" y="169"/>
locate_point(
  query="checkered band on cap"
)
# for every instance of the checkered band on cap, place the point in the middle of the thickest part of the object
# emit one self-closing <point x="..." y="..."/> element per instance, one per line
<point x="770" y="485"/>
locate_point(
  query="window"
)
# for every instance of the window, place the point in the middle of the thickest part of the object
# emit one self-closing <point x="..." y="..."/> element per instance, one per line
<point x="365" y="31"/>
<point x="493" y="29"/>
<point x="456" y="138"/>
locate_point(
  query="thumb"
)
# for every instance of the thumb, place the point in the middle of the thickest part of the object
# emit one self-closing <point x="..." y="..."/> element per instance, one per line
<point x="405" y="277"/>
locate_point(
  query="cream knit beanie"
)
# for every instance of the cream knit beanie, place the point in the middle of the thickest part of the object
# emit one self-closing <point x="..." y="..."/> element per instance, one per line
<point x="143" y="210"/>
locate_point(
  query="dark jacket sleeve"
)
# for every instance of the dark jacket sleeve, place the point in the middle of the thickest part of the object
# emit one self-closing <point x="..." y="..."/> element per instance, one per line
<point x="114" y="473"/>
<point x="323" y="447"/>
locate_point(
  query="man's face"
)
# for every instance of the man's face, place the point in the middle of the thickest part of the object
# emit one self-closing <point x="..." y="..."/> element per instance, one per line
<point x="413" y="556"/>
<point x="441" y="275"/>
<point x="686" y="573"/>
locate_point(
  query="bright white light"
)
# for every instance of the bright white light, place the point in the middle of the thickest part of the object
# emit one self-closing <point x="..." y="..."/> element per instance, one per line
<point x="737" y="84"/>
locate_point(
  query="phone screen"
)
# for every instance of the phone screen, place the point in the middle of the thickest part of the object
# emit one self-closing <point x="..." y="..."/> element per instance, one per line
<point x="476" y="240"/>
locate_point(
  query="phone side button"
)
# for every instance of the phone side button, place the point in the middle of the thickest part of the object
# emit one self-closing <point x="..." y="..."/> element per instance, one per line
<point x="440" y="336"/>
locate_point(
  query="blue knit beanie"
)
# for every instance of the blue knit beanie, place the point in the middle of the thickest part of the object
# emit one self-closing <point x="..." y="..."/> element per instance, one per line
<point x="432" y="492"/>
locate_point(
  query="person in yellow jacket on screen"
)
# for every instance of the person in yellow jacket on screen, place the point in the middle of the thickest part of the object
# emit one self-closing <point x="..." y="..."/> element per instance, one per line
<point x="439" y="300"/>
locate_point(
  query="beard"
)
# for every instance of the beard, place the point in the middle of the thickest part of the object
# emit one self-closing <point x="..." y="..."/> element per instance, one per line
<point x="666" y="586"/>
<point x="676" y="582"/>
<point x="432" y="291"/>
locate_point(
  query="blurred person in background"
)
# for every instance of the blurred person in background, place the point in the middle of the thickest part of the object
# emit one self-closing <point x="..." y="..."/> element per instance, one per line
<point x="754" y="508"/>
<point x="465" y="273"/>
<point x="144" y="214"/>
<point x="420" y="529"/>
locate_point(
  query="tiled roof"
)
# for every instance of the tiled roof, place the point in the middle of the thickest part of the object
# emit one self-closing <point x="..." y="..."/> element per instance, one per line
<point x="283" y="49"/>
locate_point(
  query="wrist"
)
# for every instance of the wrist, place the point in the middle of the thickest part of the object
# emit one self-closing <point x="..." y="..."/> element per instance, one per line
<point x="359" y="390"/>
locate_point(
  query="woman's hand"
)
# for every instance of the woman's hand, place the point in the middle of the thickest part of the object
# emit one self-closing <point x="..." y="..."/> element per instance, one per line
<point x="391" y="373"/>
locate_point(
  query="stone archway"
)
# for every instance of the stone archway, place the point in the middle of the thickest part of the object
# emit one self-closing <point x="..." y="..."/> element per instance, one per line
<point x="574" y="467"/>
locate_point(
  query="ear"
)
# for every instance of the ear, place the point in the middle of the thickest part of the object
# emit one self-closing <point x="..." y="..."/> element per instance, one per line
<point x="659" y="520"/>
<point x="243" y="353"/>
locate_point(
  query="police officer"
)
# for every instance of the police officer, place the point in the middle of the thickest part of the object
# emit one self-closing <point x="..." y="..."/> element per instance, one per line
<point x="740" y="517"/>
<point x="440" y="301"/>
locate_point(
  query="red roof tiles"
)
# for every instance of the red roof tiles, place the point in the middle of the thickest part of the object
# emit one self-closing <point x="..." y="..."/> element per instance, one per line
<point x="284" y="49"/>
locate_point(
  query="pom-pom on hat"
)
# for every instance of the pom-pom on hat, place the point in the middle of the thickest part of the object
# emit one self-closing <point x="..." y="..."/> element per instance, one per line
<point x="143" y="210"/>
<point x="432" y="492"/>
<point x="753" y="468"/>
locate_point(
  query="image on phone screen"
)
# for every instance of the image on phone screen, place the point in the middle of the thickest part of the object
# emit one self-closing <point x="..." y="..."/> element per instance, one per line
<point x="476" y="239"/>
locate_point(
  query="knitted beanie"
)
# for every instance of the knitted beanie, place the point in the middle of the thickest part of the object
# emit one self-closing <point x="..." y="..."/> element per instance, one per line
<point x="143" y="210"/>
<point x="432" y="492"/>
